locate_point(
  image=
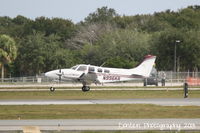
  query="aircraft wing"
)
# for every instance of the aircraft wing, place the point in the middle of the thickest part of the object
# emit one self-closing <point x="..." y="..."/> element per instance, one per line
<point x="88" y="78"/>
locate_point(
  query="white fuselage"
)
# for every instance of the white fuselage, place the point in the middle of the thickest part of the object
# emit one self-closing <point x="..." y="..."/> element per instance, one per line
<point x="103" y="74"/>
<point x="88" y="74"/>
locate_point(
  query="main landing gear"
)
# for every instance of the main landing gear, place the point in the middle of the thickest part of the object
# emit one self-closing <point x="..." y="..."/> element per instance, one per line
<point x="85" y="88"/>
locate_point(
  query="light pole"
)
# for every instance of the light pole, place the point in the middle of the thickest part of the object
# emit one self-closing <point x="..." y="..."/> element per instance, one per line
<point x="177" y="41"/>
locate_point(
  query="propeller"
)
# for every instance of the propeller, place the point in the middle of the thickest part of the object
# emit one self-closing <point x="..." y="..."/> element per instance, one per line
<point x="59" y="75"/>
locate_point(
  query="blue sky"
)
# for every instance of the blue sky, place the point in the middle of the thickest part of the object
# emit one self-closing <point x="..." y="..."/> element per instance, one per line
<point x="77" y="10"/>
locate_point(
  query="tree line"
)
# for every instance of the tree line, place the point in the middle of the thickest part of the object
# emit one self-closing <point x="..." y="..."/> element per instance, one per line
<point x="103" y="37"/>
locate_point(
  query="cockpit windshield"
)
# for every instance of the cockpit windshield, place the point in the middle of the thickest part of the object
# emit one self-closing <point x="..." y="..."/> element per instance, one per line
<point x="74" y="67"/>
<point x="82" y="68"/>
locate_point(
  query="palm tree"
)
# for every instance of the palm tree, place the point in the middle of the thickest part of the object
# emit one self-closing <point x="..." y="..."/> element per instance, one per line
<point x="8" y="52"/>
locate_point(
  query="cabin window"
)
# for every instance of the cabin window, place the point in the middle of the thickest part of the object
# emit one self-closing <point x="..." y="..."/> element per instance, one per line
<point x="91" y="69"/>
<point x="82" y="68"/>
<point x="106" y="71"/>
<point x="99" y="70"/>
<point x="74" y="67"/>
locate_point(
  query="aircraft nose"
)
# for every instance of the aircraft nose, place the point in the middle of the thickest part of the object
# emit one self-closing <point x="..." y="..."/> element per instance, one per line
<point x="47" y="74"/>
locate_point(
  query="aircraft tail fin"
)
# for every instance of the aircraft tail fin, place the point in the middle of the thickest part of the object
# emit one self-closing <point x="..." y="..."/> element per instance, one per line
<point x="144" y="68"/>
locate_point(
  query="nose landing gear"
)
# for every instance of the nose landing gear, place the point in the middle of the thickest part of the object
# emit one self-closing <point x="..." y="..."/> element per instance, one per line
<point x="52" y="89"/>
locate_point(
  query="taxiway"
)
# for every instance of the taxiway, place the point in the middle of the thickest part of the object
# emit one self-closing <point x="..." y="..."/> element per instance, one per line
<point x="155" y="101"/>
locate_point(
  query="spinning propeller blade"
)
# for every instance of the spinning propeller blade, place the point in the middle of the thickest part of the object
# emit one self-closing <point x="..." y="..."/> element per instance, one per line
<point x="60" y="75"/>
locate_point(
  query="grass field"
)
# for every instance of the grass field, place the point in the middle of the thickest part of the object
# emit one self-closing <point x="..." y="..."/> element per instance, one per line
<point x="98" y="111"/>
<point x="108" y="94"/>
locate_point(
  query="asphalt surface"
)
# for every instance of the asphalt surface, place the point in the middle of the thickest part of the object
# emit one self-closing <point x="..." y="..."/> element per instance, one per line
<point x="78" y="86"/>
<point x="156" y="101"/>
<point x="104" y="124"/>
<point x="99" y="89"/>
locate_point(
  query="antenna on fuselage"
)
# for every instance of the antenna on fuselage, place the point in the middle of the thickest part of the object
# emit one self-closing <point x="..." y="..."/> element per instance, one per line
<point x="103" y="64"/>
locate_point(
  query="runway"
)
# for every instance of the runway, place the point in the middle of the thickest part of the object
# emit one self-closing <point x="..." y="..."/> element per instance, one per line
<point x="103" y="124"/>
<point x="99" y="89"/>
<point x="155" y="101"/>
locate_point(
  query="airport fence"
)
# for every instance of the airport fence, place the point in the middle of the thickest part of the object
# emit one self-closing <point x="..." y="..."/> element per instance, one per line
<point x="179" y="77"/>
<point x="170" y="77"/>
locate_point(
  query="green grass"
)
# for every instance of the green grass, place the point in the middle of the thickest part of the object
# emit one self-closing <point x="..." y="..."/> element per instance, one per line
<point x="109" y="94"/>
<point x="98" y="111"/>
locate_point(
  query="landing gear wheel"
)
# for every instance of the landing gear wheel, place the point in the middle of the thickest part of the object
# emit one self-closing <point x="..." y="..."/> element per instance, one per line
<point x="85" y="88"/>
<point x="52" y="89"/>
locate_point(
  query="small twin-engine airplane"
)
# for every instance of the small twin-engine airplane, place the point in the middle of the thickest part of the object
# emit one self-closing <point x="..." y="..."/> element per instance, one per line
<point x="88" y="74"/>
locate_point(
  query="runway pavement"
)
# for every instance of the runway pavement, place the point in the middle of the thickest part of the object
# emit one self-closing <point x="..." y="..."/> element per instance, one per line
<point x="98" y="89"/>
<point x="156" y="101"/>
<point x="77" y="87"/>
<point x="103" y="124"/>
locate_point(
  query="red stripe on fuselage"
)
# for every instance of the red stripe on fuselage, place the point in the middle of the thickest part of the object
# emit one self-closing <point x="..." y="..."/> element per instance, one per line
<point x="120" y="75"/>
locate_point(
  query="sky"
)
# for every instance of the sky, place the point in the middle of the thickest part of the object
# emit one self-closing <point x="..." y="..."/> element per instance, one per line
<point x="77" y="10"/>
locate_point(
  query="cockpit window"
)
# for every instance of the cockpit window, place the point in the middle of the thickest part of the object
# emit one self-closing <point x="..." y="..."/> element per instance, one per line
<point x="74" y="67"/>
<point x="82" y="68"/>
